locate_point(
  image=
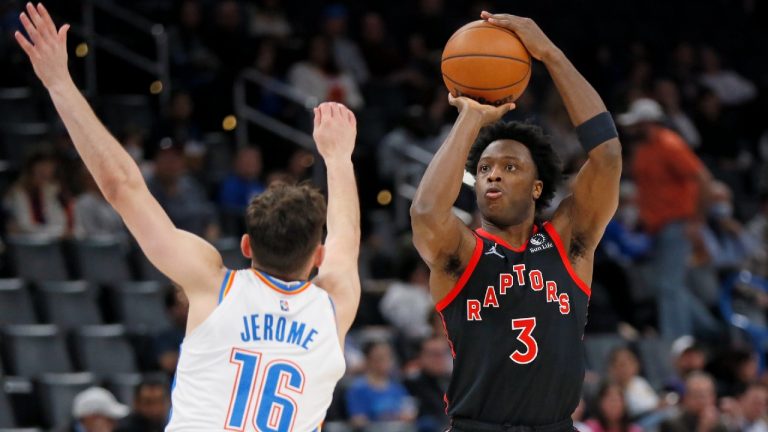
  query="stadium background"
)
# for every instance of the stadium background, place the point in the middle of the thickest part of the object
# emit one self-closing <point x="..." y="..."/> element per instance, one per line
<point x="192" y="87"/>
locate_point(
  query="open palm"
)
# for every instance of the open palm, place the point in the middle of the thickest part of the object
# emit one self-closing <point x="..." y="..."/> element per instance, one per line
<point x="46" y="46"/>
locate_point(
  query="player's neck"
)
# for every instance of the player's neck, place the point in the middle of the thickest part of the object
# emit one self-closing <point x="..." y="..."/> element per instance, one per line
<point x="297" y="276"/>
<point x="514" y="235"/>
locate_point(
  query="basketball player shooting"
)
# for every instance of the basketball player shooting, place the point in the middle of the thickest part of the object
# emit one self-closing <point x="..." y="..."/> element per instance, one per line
<point x="263" y="346"/>
<point x="514" y="294"/>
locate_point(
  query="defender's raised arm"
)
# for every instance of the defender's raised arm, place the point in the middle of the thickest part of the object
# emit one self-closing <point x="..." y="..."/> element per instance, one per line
<point x="185" y="258"/>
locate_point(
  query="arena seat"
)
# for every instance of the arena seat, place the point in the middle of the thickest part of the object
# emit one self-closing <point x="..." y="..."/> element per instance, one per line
<point x="103" y="261"/>
<point x="6" y="411"/>
<point x="141" y="306"/>
<point x="123" y="386"/>
<point x="38" y="259"/>
<point x="598" y="347"/>
<point x="104" y="350"/>
<point x="56" y="393"/>
<point x="655" y="360"/>
<point x="31" y="350"/>
<point x="15" y="303"/>
<point x="69" y="304"/>
<point x="229" y="248"/>
<point x="18" y="104"/>
<point x="20" y="140"/>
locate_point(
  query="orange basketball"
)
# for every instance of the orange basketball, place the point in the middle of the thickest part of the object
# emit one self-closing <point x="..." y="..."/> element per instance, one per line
<point x="487" y="63"/>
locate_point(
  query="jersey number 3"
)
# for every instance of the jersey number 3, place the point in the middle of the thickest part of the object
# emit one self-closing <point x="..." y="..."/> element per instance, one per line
<point x="526" y="326"/>
<point x="274" y="409"/>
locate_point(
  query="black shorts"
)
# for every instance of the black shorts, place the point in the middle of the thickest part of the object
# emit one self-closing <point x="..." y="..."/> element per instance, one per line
<point x="465" y="425"/>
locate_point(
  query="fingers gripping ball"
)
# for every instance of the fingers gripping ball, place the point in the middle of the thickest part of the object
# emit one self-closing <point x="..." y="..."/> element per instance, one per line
<point x="487" y="63"/>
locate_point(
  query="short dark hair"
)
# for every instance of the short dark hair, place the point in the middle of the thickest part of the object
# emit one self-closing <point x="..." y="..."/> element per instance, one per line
<point x="548" y="166"/>
<point x="151" y="381"/>
<point x="285" y="224"/>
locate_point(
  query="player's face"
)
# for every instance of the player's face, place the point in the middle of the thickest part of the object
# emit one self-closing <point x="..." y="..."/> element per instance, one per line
<point x="506" y="183"/>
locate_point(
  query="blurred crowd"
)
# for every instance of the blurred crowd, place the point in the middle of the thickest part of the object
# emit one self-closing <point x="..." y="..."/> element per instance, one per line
<point x="684" y="261"/>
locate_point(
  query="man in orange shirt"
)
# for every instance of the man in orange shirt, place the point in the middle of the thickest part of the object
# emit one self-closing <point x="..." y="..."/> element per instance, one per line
<point x="671" y="181"/>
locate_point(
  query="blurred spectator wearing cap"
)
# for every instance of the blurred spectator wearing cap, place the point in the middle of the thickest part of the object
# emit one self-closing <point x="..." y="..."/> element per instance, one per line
<point x="670" y="182"/>
<point x="698" y="410"/>
<point x="345" y="51"/>
<point x="244" y="182"/>
<point x="180" y="195"/>
<point x="319" y="75"/>
<point x="151" y="405"/>
<point x="36" y="204"/>
<point x="95" y="410"/>
<point x="376" y="396"/>
<point x="624" y="370"/>
<point x="609" y="412"/>
<point x="687" y="357"/>
<point x="429" y="385"/>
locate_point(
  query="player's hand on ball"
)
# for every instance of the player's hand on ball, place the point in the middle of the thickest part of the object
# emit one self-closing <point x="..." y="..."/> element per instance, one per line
<point x="46" y="46"/>
<point x="335" y="130"/>
<point x="526" y="29"/>
<point x="488" y="113"/>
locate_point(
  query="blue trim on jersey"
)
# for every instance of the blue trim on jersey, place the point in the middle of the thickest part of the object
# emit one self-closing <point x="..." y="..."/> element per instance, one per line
<point x="223" y="286"/>
<point x="287" y="286"/>
<point x="173" y="387"/>
<point x="333" y="305"/>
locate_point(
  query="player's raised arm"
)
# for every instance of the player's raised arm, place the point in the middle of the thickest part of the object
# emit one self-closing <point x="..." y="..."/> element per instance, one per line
<point x="440" y="236"/>
<point x="582" y="218"/>
<point x="335" y="130"/>
<point x="187" y="259"/>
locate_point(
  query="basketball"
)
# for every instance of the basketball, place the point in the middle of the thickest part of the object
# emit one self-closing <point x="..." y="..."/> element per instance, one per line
<point x="486" y="63"/>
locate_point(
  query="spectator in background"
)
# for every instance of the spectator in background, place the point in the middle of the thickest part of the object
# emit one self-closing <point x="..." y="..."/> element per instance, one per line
<point x="758" y="230"/>
<point x="228" y="38"/>
<point x="346" y="52"/>
<point x="94" y="216"/>
<point x="168" y="341"/>
<point x="687" y="357"/>
<point x="730" y="87"/>
<point x="431" y="383"/>
<point x="191" y="60"/>
<point x="319" y="76"/>
<point x="379" y="50"/>
<point x="151" y="405"/>
<point x="699" y="410"/>
<point x="753" y="409"/>
<point x="407" y="304"/>
<point x="668" y="95"/>
<point x="638" y="397"/>
<point x="95" y="410"/>
<point x="609" y="412"/>
<point x="35" y="203"/>
<point x="376" y="396"/>
<point x="178" y="124"/>
<point x="181" y="196"/>
<point x="244" y="182"/>
<point x="268" y="18"/>
<point x="669" y="195"/>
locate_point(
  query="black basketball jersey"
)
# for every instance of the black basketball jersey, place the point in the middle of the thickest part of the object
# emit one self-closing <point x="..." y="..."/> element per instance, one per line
<point x="515" y="321"/>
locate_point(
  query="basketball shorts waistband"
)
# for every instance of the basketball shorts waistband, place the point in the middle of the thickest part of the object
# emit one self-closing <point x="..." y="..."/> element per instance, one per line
<point x="466" y="425"/>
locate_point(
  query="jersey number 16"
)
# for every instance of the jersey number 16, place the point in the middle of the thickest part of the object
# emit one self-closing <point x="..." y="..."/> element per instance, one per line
<point x="275" y="409"/>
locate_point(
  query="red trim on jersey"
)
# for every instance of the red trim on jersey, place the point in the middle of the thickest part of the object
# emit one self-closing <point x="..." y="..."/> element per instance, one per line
<point x="564" y="257"/>
<point x="447" y="336"/>
<point x="483" y="233"/>
<point x="442" y="304"/>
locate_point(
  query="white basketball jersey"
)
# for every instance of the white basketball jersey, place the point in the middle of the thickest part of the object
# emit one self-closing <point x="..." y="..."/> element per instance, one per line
<point x="267" y="359"/>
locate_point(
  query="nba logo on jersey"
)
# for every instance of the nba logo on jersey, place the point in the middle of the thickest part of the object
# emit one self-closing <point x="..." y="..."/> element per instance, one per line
<point x="284" y="305"/>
